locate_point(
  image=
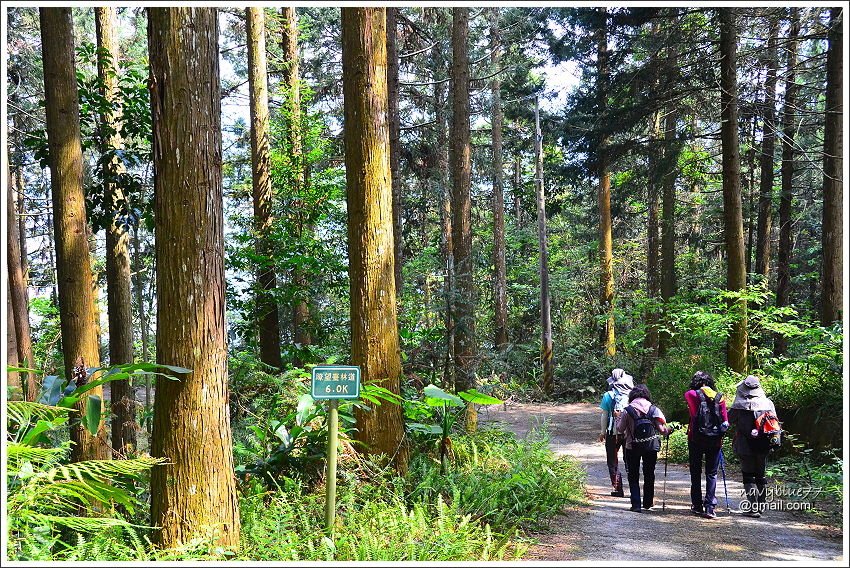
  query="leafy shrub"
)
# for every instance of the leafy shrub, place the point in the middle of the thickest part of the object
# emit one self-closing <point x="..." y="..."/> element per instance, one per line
<point x="500" y="480"/>
<point x="290" y="527"/>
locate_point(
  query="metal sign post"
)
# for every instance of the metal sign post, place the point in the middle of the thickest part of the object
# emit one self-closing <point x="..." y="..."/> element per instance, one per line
<point x="333" y="383"/>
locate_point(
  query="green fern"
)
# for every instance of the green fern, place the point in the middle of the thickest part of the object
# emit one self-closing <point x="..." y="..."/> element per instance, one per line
<point x="45" y="495"/>
<point x="19" y="454"/>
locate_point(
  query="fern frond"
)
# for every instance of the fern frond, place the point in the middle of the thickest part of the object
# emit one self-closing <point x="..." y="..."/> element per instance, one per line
<point x="22" y="412"/>
<point x="18" y="454"/>
<point x="101" y="470"/>
<point x="82" y="524"/>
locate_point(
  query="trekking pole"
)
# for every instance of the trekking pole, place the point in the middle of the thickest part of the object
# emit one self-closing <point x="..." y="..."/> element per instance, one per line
<point x="723" y="471"/>
<point x="666" y="458"/>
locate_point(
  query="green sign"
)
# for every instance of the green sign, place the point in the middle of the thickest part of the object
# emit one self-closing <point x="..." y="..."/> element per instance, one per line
<point x="335" y="381"/>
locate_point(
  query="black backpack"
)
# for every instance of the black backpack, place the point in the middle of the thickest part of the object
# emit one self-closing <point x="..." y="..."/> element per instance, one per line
<point x="646" y="437"/>
<point x="708" y="419"/>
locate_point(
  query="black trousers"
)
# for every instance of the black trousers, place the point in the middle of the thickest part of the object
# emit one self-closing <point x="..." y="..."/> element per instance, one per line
<point x="697" y="454"/>
<point x="633" y="459"/>
<point x="613" y="443"/>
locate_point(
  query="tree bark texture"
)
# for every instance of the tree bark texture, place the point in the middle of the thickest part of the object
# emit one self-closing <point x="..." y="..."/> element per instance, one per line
<point x="500" y="293"/>
<point x="831" y="298"/>
<point x="261" y="188"/>
<point x="19" y="321"/>
<point x="73" y="264"/>
<point x="395" y="133"/>
<point x="545" y="304"/>
<point x="118" y="285"/>
<point x="789" y="117"/>
<point x="196" y="492"/>
<point x="374" y="324"/>
<point x="768" y="144"/>
<point x="606" y="259"/>
<point x="733" y="223"/>
<point x="460" y="152"/>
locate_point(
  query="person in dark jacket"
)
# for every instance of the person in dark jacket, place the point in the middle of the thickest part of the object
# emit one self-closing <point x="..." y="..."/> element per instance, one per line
<point x="704" y="449"/>
<point x="751" y="449"/>
<point x="640" y="406"/>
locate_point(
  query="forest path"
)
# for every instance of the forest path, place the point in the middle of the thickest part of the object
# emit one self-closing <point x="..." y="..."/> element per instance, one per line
<point x="605" y="529"/>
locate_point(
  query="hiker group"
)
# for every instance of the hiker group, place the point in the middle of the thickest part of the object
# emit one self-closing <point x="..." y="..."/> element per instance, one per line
<point x="630" y="421"/>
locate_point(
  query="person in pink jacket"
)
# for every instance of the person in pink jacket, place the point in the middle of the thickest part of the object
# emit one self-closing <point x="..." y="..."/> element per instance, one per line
<point x="706" y="427"/>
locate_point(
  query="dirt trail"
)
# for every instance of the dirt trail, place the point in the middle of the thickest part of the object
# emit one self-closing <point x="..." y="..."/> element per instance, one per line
<point x="607" y="530"/>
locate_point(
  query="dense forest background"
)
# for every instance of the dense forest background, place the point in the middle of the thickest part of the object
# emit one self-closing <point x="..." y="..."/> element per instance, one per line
<point x="618" y="199"/>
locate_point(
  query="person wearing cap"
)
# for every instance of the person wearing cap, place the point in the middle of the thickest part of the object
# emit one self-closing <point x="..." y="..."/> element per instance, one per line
<point x="751" y="450"/>
<point x="703" y="449"/>
<point x="613" y="401"/>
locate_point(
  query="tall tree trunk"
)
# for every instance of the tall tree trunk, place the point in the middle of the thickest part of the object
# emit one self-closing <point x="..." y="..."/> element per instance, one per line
<point x="73" y="263"/>
<point x="545" y="309"/>
<point x="767" y="153"/>
<point x="395" y="133"/>
<point x="500" y="300"/>
<point x="733" y="223"/>
<point x="118" y="293"/>
<point x="669" y="284"/>
<point x="461" y="211"/>
<point x="12" y="349"/>
<point x="441" y="175"/>
<point x="606" y="284"/>
<point x="832" y="171"/>
<point x="197" y="491"/>
<point x="269" y="326"/>
<point x="653" y="274"/>
<point x="18" y="325"/>
<point x="143" y="320"/>
<point x="751" y="163"/>
<point x="291" y="78"/>
<point x="374" y="325"/>
<point x="789" y="117"/>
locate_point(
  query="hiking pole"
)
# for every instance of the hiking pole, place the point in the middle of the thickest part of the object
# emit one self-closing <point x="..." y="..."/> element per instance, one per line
<point x="666" y="457"/>
<point x="723" y="471"/>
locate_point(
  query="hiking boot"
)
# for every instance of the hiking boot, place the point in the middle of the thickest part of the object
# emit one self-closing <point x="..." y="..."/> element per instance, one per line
<point x="618" y="493"/>
<point x="709" y="513"/>
<point x="635" y="509"/>
<point x="752" y="514"/>
<point x="698" y="511"/>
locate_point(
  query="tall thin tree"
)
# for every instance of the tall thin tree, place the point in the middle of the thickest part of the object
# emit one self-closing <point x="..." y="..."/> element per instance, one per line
<point x="73" y="263"/>
<point x="833" y="259"/>
<point x="374" y="325"/>
<point x="765" y="202"/>
<point x="118" y="286"/>
<point x="733" y="223"/>
<point x="292" y="83"/>
<point x="500" y="294"/>
<point x="18" y="325"/>
<point x="261" y="188"/>
<point x="196" y="492"/>
<point x="395" y="137"/>
<point x="545" y="304"/>
<point x="606" y="257"/>
<point x="460" y="152"/>
<point x="789" y="118"/>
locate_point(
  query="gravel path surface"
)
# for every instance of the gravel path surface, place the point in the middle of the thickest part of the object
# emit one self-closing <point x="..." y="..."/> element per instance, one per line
<point x="606" y="529"/>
